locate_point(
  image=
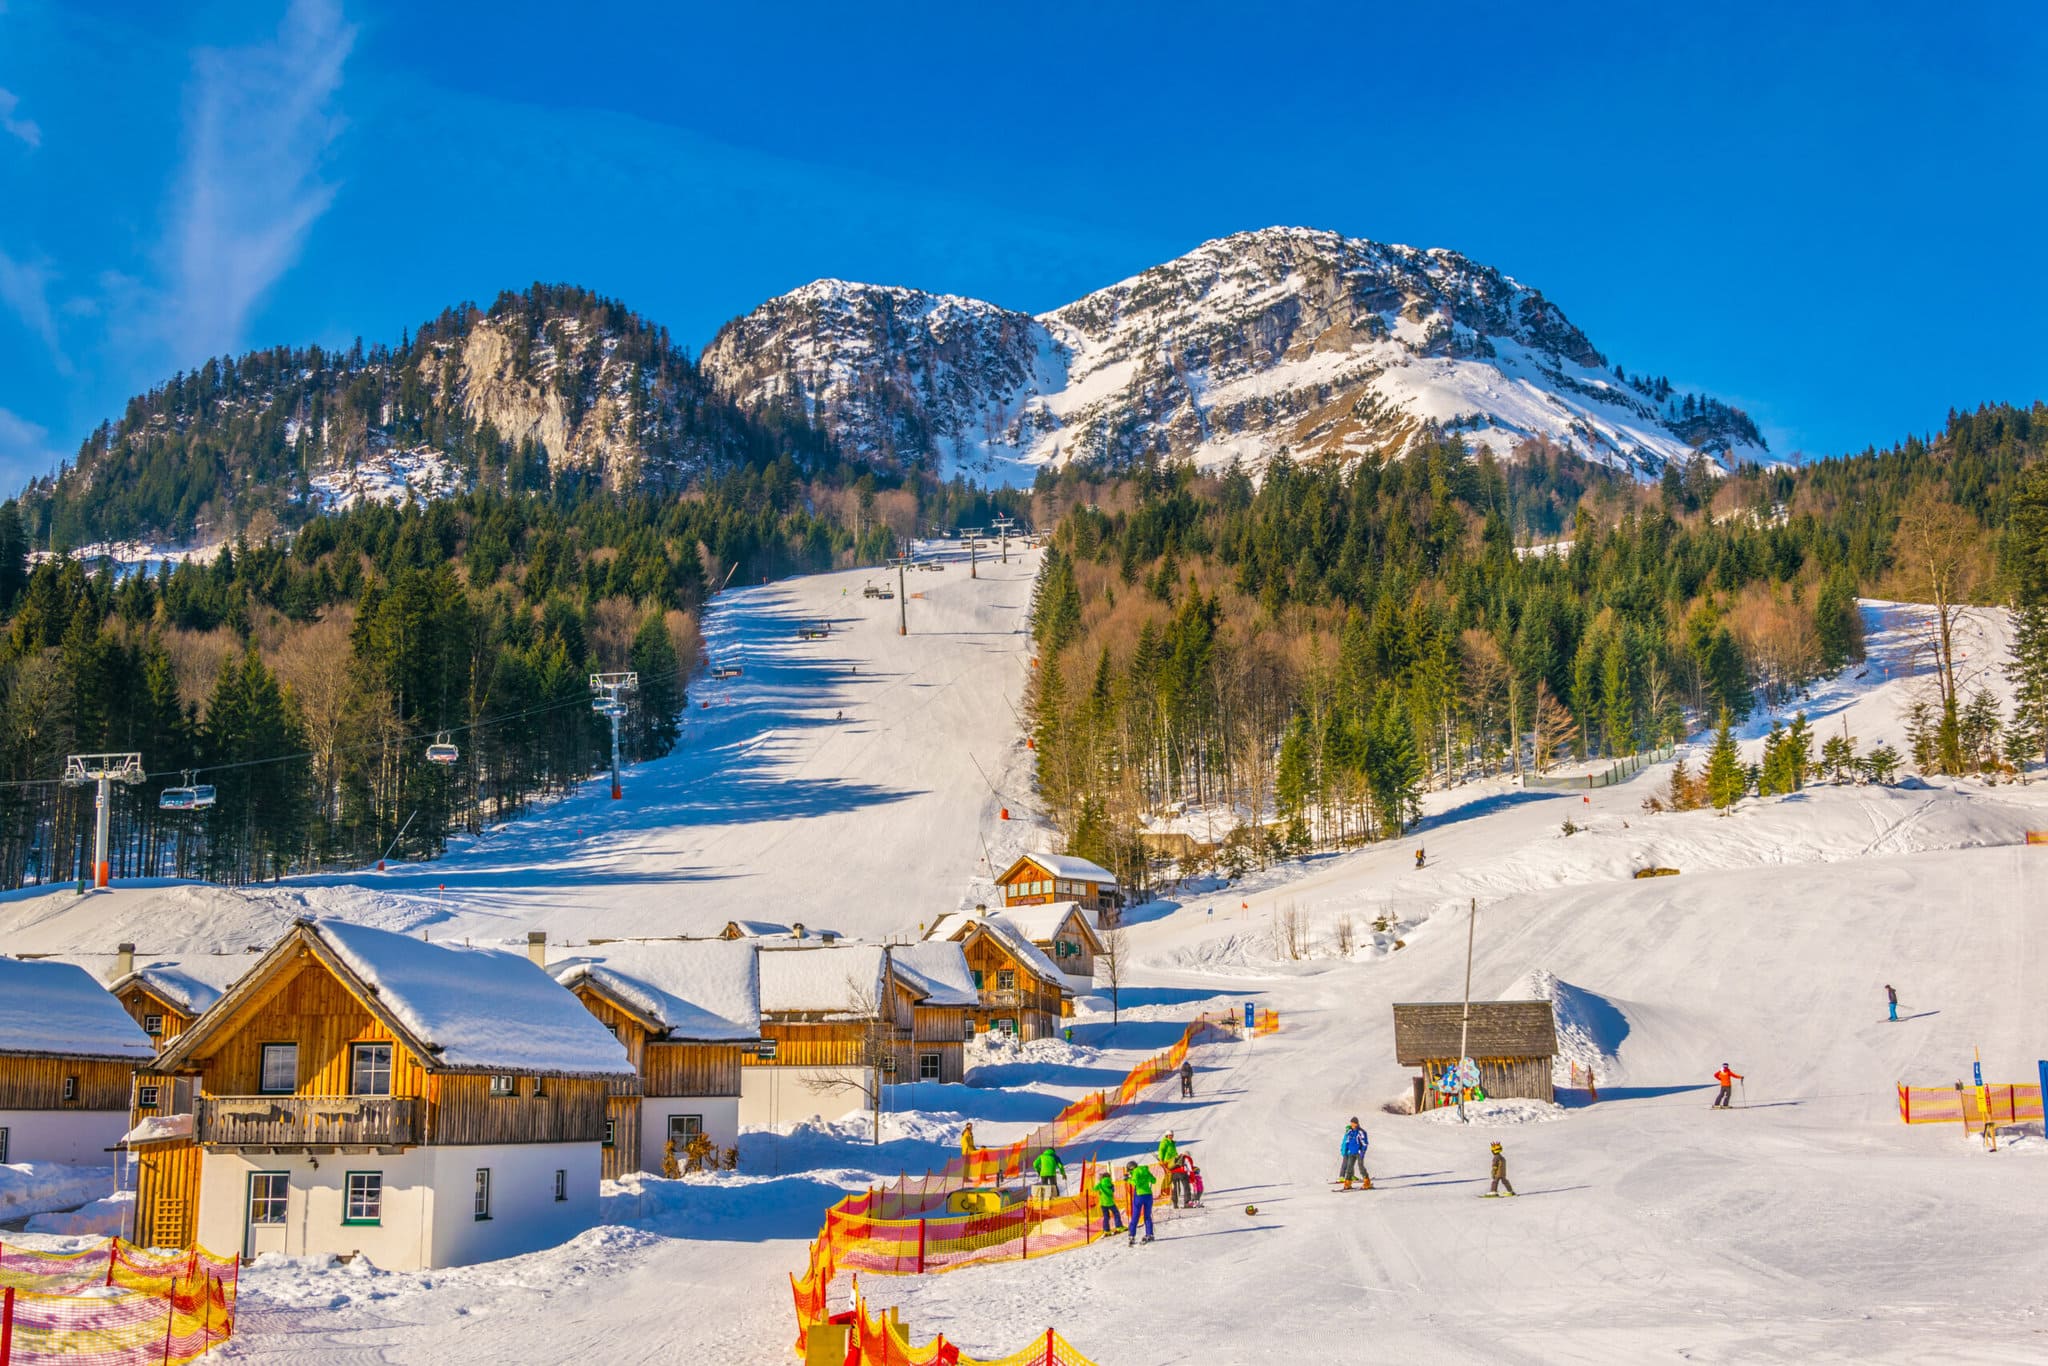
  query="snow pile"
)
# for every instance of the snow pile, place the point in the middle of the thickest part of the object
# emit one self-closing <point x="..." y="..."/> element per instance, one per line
<point x="34" y="1187"/>
<point x="157" y="1128"/>
<point x="1590" y="1028"/>
<point x="110" y="1217"/>
<point x="49" y="1007"/>
<point x="1496" y="1114"/>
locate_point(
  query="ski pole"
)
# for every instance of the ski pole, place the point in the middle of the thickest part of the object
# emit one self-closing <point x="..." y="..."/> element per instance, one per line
<point x="1742" y="1085"/>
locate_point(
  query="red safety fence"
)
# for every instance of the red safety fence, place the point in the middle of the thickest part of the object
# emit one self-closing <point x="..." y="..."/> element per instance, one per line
<point x="1959" y="1104"/>
<point x="114" y="1305"/>
<point x="911" y="1228"/>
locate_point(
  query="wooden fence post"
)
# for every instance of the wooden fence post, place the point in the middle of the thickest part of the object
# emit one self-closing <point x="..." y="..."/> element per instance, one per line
<point x="920" y="1247"/>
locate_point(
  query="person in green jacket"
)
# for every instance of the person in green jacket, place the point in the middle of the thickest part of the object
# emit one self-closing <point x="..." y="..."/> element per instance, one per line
<point x="1168" y="1150"/>
<point x="1050" y="1169"/>
<point x="1140" y="1177"/>
<point x="1105" y="1191"/>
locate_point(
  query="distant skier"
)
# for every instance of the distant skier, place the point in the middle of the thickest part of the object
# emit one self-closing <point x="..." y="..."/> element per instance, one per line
<point x="967" y="1140"/>
<point x="1105" y="1194"/>
<point x="1891" y="996"/>
<point x="1353" y="1149"/>
<point x="1050" y="1169"/>
<point x="1500" y="1173"/>
<point x="1187" y="1079"/>
<point x="1140" y="1179"/>
<point x="1727" y="1076"/>
<point x="1419" y="858"/>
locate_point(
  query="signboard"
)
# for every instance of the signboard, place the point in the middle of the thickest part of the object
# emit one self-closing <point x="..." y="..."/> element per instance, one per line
<point x="765" y="1049"/>
<point x="1976" y="1074"/>
<point x="1250" y="1020"/>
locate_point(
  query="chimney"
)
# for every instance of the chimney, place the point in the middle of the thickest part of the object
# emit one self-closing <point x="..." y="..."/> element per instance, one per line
<point x="124" y="960"/>
<point x="981" y="908"/>
<point x="537" y="947"/>
<point x="796" y="931"/>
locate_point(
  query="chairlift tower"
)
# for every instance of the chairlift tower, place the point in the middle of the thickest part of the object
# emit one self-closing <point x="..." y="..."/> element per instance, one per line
<point x="103" y="770"/>
<point x="1003" y="524"/>
<point x="607" y="702"/>
<point x="902" y="596"/>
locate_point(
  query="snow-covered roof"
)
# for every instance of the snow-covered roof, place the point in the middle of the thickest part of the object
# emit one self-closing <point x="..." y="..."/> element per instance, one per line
<point x="758" y="929"/>
<point x="839" y="978"/>
<point x="703" y="989"/>
<point x="48" y="1007"/>
<point x="1041" y="923"/>
<point x="941" y="968"/>
<point x="477" y="1009"/>
<point x="1071" y="866"/>
<point x="188" y="984"/>
<point x="1023" y="950"/>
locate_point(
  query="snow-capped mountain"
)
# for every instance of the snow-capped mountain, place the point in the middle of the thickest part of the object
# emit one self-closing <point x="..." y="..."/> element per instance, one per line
<point x="1283" y="341"/>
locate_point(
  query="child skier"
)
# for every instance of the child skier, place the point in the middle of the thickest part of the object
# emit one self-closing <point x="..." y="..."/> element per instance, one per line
<point x="1727" y="1076"/>
<point x="1891" y="997"/>
<point x="1500" y="1173"/>
<point x="1187" y="1079"/>
<point x="1050" y="1169"/>
<point x="1353" y="1148"/>
<point x="1105" y="1192"/>
<point x="1140" y="1179"/>
<point x="1194" y="1183"/>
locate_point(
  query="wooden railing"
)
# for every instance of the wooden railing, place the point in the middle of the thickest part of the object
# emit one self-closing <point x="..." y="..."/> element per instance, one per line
<point x="308" y="1121"/>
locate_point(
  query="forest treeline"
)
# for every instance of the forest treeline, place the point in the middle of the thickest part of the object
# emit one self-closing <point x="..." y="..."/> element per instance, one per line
<point x="304" y="677"/>
<point x="1305" y="654"/>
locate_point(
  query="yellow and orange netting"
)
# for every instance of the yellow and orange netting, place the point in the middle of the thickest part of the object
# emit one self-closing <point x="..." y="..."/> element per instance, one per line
<point x="907" y="1230"/>
<point x="114" y="1305"/>
<point x="1960" y="1104"/>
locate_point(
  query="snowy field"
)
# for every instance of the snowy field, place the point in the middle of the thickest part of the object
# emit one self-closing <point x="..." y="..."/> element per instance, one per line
<point x="1807" y="1224"/>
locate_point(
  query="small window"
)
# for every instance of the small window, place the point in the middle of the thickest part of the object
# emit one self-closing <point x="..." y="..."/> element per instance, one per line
<point x="1007" y="1025"/>
<point x="267" y="1191"/>
<point x="370" y="1069"/>
<point x="153" y="1025"/>
<point x="977" y="979"/>
<point x="145" y="1097"/>
<point x="483" y="1192"/>
<point x="561" y="1185"/>
<point x="615" y="1032"/>
<point x="540" y="1087"/>
<point x="683" y="1128"/>
<point x="280" y="1069"/>
<point x="967" y="1025"/>
<point x="3" y="1147"/>
<point x="1006" y="979"/>
<point x="504" y="1086"/>
<point x="611" y="1133"/>
<point x="363" y="1199"/>
<point x="927" y="1067"/>
<point x="70" y="1088"/>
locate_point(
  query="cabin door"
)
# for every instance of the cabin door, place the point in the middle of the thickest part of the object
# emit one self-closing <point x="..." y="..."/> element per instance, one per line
<point x="264" y="1228"/>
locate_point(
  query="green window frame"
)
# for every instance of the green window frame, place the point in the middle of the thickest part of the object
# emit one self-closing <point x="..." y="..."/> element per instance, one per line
<point x="362" y="1199"/>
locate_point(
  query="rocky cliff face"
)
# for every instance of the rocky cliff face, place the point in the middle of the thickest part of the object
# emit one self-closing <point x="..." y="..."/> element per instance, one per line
<point x="1285" y="341"/>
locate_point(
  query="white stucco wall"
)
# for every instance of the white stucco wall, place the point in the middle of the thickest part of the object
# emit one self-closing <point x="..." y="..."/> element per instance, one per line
<point x="429" y="1203"/>
<point x="78" y="1137"/>
<point x="779" y="1096"/>
<point x="721" y="1121"/>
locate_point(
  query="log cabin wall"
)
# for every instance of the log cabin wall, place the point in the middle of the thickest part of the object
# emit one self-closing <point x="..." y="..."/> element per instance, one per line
<point x="566" y="1110"/>
<point x="810" y="1044"/>
<point x="141" y="1003"/>
<point x="939" y="1024"/>
<point x="36" y="1082"/>
<point x="622" y="1154"/>
<point x="1502" y="1078"/>
<point x="626" y="1029"/>
<point x="167" y="1194"/>
<point x="691" y="1069"/>
<point x="309" y="1007"/>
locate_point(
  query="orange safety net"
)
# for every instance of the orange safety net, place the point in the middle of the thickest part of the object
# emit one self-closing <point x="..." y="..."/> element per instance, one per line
<point x="910" y="1229"/>
<point x="2003" y="1104"/>
<point x="1266" y="1022"/>
<point x="114" y="1305"/>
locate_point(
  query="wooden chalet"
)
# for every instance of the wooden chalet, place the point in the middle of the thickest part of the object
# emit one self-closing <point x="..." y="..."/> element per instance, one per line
<point x="362" y="1091"/>
<point x="940" y="1020"/>
<point x="834" y="1018"/>
<point x="68" y="1055"/>
<point x="1060" y="929"/>
<point x="1040" y="879"/>
<point x="1513" y="1042"/>
<point x="165" y="995"/>
<point x="1018" y="989"/>
<point x="687" y="1012"/>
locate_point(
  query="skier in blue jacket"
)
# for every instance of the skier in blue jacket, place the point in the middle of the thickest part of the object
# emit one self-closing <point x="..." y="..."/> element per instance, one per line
<point x="1353" y="1148"/>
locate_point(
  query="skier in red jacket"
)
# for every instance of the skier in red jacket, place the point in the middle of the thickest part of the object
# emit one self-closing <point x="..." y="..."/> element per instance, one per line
<point x="1727" y="1076"/>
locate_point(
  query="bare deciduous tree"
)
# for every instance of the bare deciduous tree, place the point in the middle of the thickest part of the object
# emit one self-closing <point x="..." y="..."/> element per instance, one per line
<point x="1110" y="965"/>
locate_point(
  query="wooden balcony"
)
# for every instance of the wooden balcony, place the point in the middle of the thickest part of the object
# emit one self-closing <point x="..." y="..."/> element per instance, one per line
<point x="308" y="1121"/>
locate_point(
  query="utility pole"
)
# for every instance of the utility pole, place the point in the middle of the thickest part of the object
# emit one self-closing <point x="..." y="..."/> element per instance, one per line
<point x="1003" y="525"/>
<point x="608" y="703"/>
<point x="103" y="770"/>
<point x="1465" y="1022"/>
<point x="902" y="594"/>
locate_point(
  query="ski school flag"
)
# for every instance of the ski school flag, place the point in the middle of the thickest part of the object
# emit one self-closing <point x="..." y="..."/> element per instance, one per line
<point x="1249" y="1022"/>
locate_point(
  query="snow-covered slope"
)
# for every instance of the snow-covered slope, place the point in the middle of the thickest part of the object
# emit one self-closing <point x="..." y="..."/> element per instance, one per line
<point x="1285" y="340"/>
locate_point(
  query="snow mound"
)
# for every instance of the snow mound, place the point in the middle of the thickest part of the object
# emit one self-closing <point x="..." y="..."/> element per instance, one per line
<point x="1497" y="1114"/>
<point x="36" y="1187"/>
<point x="110" y="1217"/>
<point x="1590" y="1027"/>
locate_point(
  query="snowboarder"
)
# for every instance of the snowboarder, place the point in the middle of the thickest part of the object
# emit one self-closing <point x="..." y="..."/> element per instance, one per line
<point x="1140" y="1180"/>
<point x="1727" y="1076"/>
<point x="1187" y="1079"/>
<point x="967" y="1140"/>
<point x="1891" y="996"/>
<point x="1105" y="1193"/>
<point x="1183" y="1190"/>
<point x="1500" y="1173"/>
<point x="1353" y="1149"/>
<point x="1050" y="1169"/>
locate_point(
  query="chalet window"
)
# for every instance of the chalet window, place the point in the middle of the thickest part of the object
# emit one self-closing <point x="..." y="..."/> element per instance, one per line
<point x="540" y="1087"/>
<point x="280" y="1075"/>
<point x="615" y="1032"/>
<point x="1006" y="979"/>
<point x="153" y="1025"/>
<point x="369" y="1070"/>
<point x="1006" y="1025"/>
<point x="504" y="1086"/>
<point x="267" y="1191"/>
<point x="483" y="1192"/>
<point x="3" y="1147"/>
<point x="145" y="1097"/>
<point x="683" y="1128"/>
<point x="611" y="1133"/>
<point x="967" y="1025"/>
<point x="977" y="979"/>
<point x="363" y="1198"/>
<point x="561" y="1185"/>
<point x="927" y="1067"/>
<point x="70" y="1088"/>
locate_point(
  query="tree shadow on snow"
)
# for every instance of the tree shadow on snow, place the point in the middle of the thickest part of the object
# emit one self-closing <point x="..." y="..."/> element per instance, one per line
<point x="1578" y="1100"/>
<point x="1001" y="1074"/>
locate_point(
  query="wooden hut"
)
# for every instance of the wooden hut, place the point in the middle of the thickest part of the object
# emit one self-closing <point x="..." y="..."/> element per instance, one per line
<point x="68" y="1055"/>
<point x="1060" y="929"/>
<point x="1040" y="879"/>
<point x="834" y="1019"/>
<point x="939" y="1021"/>
<point x="1020" y="990"/>
<point x="1513" y="1042"/>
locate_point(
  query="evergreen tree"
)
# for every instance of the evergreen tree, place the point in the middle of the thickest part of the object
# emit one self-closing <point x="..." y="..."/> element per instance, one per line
<point x="2027" y="668"/>
<point x="659" y="700"/>
<point x="1726" y="781"/>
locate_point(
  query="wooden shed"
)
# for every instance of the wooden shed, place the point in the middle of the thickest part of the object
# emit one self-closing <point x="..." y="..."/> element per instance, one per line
<point x="1514" y="1043"/>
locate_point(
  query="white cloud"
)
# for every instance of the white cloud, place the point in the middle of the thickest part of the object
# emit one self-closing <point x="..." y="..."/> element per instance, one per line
<point x="25" y="288"/>
<point x="25" y="129"/>
<point x="25" y="450"/>
<point x="259" y="124"/>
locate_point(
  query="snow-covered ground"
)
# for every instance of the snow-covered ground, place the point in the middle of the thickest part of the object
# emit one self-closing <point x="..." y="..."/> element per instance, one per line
<point x="35" y="1188"/>
<point x="1807" y="1224"/>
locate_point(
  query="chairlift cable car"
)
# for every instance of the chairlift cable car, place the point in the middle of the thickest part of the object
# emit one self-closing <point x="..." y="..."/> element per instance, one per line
<point x="187" y="796"/>
<point x="442" y="751"/>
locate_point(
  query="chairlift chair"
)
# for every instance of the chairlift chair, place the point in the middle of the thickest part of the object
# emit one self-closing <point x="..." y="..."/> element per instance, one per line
<point x="442" y="751"/>
<point x="187" y="796"/>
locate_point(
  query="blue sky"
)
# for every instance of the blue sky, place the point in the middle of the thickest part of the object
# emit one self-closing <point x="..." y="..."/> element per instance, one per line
<point x="1833" y="219"/>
